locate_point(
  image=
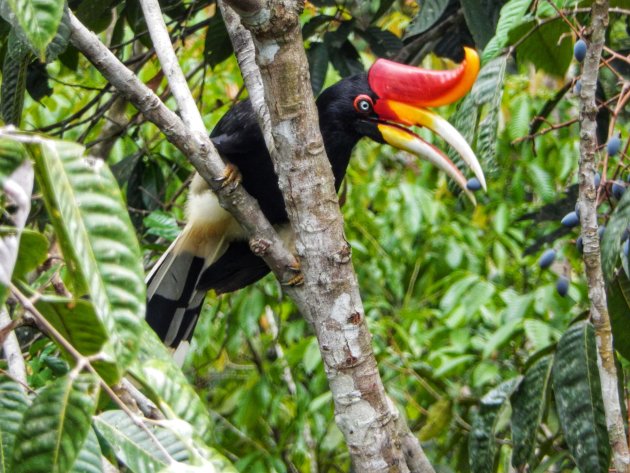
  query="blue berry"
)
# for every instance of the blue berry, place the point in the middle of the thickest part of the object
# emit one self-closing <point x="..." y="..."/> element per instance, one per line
<point x="579" y="50"/>
<point x="473" y="184"/>
<point x="547" y="258"/>
<point x="577" y="88"/>
<point x="579" y="244"/>
<point x="618" y="188"/>
<point x="626" y="247"/>
<point x="598" y="179"/>
<point x="600" y="231"/>
<point x="613" y="146"/>
<point x="570" y="220"/>
<point x="562" y="285"/>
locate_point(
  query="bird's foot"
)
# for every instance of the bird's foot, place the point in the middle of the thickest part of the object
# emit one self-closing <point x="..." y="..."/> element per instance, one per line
<point x="231" y="177"/>
<point x="298" y="279"/>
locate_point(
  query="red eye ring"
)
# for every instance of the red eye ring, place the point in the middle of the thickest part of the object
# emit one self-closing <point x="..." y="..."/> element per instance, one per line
<point x="363" y="104"/>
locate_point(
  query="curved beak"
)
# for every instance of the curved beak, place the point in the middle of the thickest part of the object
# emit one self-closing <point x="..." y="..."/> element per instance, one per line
<point x="399" y="105"/>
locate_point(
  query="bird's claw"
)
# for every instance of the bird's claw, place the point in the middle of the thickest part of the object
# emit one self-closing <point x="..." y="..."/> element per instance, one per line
<point x="298" y="279"/>
<point x="231" y="177"/>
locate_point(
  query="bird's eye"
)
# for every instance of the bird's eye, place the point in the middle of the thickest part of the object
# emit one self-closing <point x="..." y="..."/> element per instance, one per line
<point x="363" y="104"/>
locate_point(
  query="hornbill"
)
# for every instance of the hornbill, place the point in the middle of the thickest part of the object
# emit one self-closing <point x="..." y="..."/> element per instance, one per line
<point x="212" y="251"/>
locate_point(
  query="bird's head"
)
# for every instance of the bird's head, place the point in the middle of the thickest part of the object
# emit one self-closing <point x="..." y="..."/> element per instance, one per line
<point x="392" y="97"/>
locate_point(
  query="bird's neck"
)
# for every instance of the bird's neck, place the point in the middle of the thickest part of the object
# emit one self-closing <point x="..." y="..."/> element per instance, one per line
<point x="339" y="143"/>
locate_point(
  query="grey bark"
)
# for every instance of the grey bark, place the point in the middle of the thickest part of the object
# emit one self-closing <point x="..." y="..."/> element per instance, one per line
<point x="331" y="300"/>
<point x="592" y="254"/>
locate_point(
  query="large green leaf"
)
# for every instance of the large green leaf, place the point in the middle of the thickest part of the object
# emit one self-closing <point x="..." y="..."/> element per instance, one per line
<point x="76" y="320"/>
<point x="481" y="440"/>
<point x="12" y="153"/>
<point x="33" y="251"/>
<point x="481" y="18"/>
<point x="168" y="386"/>
<point x="135" y="447"/>
<point x="488" y="89"/>
<point x="578" y="395"/>
<point x="317" y="55"/>
<point x="13" y="84"/>
<point x="512" y="15"/>
<point x="13" y="403"/>
<point x="97" y="240"/>
<point x="89" y="457"/>
<point x="528" y="404"/>
<point x="218" y="45"/>
<point x="55" y="426"/>
<point x="617" y="281"/>
<point x="38" y="20"/>
<point x="430" y="12"/>
<point x="618" y="293"/>
<point x="611" y="241"/>
<point x="549" y="46"/>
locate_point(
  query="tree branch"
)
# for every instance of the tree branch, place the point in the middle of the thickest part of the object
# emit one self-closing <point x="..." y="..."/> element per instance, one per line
<point x="12" y="350"/>
<point x="592" y="254"/>
<point x="330" y="297"/>
<point x="246" y="56"/>
<point x="196" y="147"/>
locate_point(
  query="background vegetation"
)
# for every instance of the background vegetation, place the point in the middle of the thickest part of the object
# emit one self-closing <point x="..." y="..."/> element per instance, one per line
<point x="490" y="360"/>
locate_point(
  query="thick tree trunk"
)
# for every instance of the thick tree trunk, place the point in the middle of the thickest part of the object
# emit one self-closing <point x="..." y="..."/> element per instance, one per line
<point x="330" y="297"/>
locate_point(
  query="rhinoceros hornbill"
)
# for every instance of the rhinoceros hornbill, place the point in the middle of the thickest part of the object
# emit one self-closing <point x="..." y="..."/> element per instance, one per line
<point x="212" y="251"/>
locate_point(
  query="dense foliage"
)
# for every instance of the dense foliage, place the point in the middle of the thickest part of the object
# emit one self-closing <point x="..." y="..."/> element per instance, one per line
<point x="485" y="346"/>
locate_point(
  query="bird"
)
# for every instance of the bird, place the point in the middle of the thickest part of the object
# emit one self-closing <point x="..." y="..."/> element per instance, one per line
<point x="212" y="251"/>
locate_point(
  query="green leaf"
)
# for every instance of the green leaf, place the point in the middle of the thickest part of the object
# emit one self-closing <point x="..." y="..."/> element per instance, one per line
<point x="13" y="86"/>
<point x="430" y="12"/>
<point x="611" y="241"/>
<point x="89" y="457"/>
<point x="512" y="15"/>
<point x="76" y="320"/>
<point x="166" y="384"/>
<point x="161" y="224"/>
<point x="97" y="240"/>
<point x="488" y="88"/>
<point x="542" y="182"/>
<point x="617" y="281"/>
<point x="579" y="403"/>
<point x="618" y="294"/>
<point x="317" y="55"/>
<point x="438" y="419"/>
<point x="135" y="447"/>
<point x="218" y="46"/>
<point x="481" y="18"/>
<point x="528" y="405"/>
<point x="96" y="16"/>
<point x="13" y="404"/>
<point x="38" y="20"/>
<point x="33" y="252"/>
<point x="481" y="441"/>
<point x="312" y="25"/>
<point x="344" y="58"/>
<point x="549" y="47"/>
<point x="12" y="153"/>
<point x="383" y="43"/>
<point x="55" y="426"/>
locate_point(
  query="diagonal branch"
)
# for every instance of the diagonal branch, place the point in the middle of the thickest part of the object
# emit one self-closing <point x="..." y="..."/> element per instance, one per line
<point x="196" y="147"/>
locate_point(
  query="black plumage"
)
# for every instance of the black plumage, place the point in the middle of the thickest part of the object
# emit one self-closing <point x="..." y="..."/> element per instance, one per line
<point x="239" y="140"/>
